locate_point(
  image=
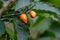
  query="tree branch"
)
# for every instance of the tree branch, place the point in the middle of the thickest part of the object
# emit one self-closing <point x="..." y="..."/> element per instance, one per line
<point x="16" y="12"/>
<point x="5" y="6"/>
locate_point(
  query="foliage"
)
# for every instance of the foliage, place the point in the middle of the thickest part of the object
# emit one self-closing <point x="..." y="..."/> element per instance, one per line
<point x="45" y="26"/>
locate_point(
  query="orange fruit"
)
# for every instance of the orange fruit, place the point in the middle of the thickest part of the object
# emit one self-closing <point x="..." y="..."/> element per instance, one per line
<point x="23" y="18"/>
<point x="33" y="14"/>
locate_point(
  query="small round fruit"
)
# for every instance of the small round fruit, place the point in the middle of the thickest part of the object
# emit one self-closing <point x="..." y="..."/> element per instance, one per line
<point x="23" y="18"/>
<point x="33" y="14"/>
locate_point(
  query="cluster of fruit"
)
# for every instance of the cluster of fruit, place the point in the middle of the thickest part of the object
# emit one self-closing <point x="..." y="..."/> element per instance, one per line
<point x="24" y="18"/>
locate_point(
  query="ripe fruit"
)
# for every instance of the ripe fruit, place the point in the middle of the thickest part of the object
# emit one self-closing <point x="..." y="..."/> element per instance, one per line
<point x="23" y="18"/>
<point x="33" y="14"/>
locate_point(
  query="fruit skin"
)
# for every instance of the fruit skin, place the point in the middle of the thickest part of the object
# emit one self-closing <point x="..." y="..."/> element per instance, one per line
<point x="33" y="14"/>
<point x="23" y="18"/>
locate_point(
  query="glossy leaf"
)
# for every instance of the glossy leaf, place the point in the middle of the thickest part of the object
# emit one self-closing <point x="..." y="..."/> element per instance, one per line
<point x="47" y="7"/>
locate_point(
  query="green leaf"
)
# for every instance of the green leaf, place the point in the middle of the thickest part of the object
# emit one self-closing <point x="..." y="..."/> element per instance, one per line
<point x="49" y="14"/>
<point x="55" y="27"/>
<point x="55" y="3"/>
<point x="36" y="0"/>
<point x="2" y="28"/>
<point x="22" y="30"/>
<point x="42" y="25"/>
<point x="4" y="1"/>
<point x="48" y="34"/>
<point x="46" y="7"/>
<point x="47" y="38"/>
<point x="21" y="3"/>
<point x="1" y="4"/>
<point x="10" y="30"/>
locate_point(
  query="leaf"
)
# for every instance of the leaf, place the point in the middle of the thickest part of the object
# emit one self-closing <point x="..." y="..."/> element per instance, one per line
<point x="42" y="25"/>
<point x="2" y="28"/>
<point x="36" y="0"/>
<point x="48" y="14"/>
<point x="48" y="34"/>
<point x="21" y="3"/>
<point x="22" y="30"/>
<point x="4" y="1"/>
<point x="1" y="4"/>
<point x="55" y="3"/>
<point x="10" y="29"/>
<point x="46" y="7"/>
<point x="11" y="33"/>
<point x="55" y="27"/>
<point x="36" y="26"/>
<point x="47" y="38"/>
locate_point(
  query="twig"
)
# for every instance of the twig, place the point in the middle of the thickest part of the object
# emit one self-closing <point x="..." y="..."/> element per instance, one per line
<point x="31" y="7"/>
<point x="16" y="13"/>
<point x="6" y="16"/>
<point x="5" y="6"/>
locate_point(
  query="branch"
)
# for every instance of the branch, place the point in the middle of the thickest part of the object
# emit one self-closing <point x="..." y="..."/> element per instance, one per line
<point x="6" y="16"/>
<point x="16" y="13"/>
<point x="5" y="6"/>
